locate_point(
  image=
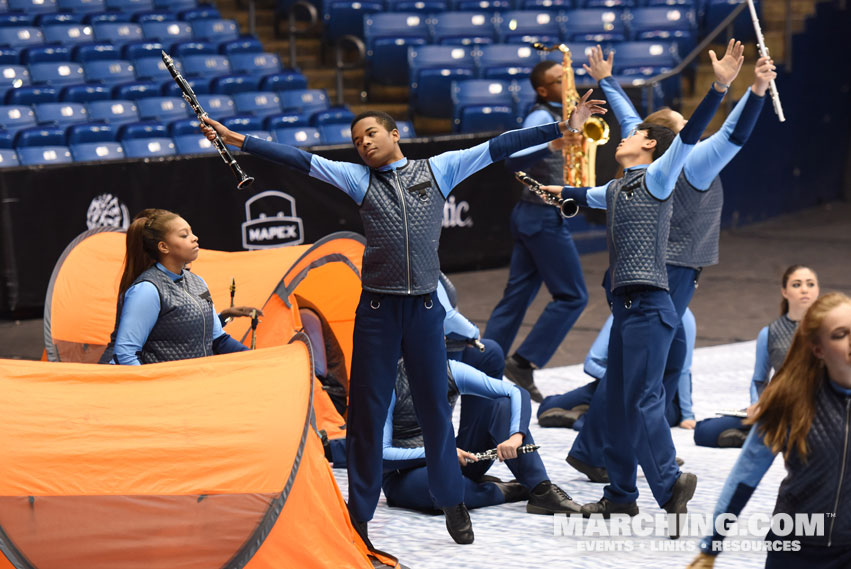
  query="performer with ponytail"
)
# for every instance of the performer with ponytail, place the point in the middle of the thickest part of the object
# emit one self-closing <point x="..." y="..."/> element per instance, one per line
<point x="804" y="413"/>
<point x="164" y="312"/>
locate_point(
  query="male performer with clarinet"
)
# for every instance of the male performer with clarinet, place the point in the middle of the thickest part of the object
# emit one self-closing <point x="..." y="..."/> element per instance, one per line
<point x="401" y="205"/>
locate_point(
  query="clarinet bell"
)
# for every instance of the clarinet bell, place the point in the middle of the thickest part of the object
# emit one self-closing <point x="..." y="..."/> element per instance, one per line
<point x="568" y="208"/>
<point x="245" y="182"/>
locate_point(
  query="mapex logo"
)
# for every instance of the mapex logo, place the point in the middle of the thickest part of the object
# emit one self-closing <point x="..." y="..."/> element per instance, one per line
<point x="106" y="210"/>
<point x="456" y="214"/>
<point x="271" y="221"/>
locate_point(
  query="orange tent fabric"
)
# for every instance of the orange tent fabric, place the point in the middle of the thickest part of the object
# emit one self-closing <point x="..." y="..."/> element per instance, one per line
<point x="199" y="463"/>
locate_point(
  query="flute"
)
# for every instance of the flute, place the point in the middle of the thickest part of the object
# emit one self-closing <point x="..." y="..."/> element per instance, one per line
<point x="244" y="179"/>
<point x="763" y="52"/>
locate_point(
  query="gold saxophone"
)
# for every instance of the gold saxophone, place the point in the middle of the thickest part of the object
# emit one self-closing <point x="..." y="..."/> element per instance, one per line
<point x="580" y="160"/>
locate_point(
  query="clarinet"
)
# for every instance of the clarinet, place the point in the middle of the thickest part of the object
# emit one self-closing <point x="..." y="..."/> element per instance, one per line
<point x="567" y="207"/>
<point x="244" y="179"/>
<point x="491" y="454"/>
<point x="763" y="52"/>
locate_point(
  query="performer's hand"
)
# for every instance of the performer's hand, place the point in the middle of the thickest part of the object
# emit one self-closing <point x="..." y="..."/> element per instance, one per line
<point x="598" y="67"/>
<point x="555" y="190"/>
<point x="507" y="450"/>
<point x="763" y="75"/>
<point x="583" y="111"/>
<point x="238" y="311"/>
<point x="465" y="457"/>
<point x="228" y="136"/>
<point x="688" y="424"/>
<point x="727" y="68"/>
<point x="702" y="561"/>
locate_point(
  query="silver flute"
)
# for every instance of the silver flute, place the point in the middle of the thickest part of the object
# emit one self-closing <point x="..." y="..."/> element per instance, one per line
<point x="244" y="179"/>
<point x="567" y="207"/>
<point x="491" y="454"/>
<point x="763" y="52"/>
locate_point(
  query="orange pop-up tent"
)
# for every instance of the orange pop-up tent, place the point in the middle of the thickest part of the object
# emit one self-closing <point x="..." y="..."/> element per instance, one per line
<point x="200" y="463"/>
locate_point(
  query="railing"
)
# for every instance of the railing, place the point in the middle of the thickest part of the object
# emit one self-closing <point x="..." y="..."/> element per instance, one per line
<point x="348" y="44"/>
<point x="293" y="28"/>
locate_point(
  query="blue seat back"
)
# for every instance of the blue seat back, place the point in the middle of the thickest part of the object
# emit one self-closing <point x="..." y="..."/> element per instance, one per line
<point x="432" y="68"/>
<point x="130" y="5"/>
<point x="304" y="101"/>
<point x="85" y="93"/>
<point x="334" y="115"/>
<point x="57" y="73"/>
<point x="231" y="84"/>
<point x="41" y="53"/>
<point x="67" y="33"/>
<point x="14" y="76"/>
<point x="91" y="132"/>
<point x="15" y="19"/>
<point x="257" y="64"/>
<point x="594" y="25"/>
<point x="33" y="6"/>
<point x="388" y="36"/>
<point x="82" y="6"/>
<point x="31" y="95"/>
<point x="344" y="18"/>
<point x="21" y="36"/>
<point x="653" y="54"/>
<point x="463" y="28"/>
<point x="406" y="129"/>
<point x="485" y="5"/>
<point x="529" y="26"/>
<point x="217" y="105"/>
<point x="215" y="30"/>
<point x="175" y="5"/>
<point x="167" y="32"/>
<point x="109" y="71"/>
<point x="482" y="105"/>
<point x="113" y="111"/>
<point x="243" y="123"/>
<point x="143" y="129"/>
<point x="148" y="147"/>
<point x="95" y="51"/>
<point x="286" y="80"/>
<point x="193" y="144"/>
<point x="298" y="136"/>
<point x="259" y="103"/>
<point x="8" y="158"/>
<point x="205" y="65"/>
<point x="118" y="32"/>
<point x="285" y="120"/>
<point x="153" y="69"/>
<point x="665" y="23"/>
<point x="47" y="135"/>
<point x="138" y="49"/>
<point x="37" y="155"/>
<point x="424" y="6"/>
<point x="97" y="151"/>
<point x="162" y="109"/>
<point x="61" y="114"/>
<point x="609" y="4"/>
<point x="524" y="97"/>
<point x="550" y="5"/>
<point x="205" y="12"/>
<point x="242" y="45"/>
<point x="335" y="133"/>
<point x="507" y="61"/>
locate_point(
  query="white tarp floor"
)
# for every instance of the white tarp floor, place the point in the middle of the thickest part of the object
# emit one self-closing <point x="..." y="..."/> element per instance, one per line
<point x="508" y="537"/>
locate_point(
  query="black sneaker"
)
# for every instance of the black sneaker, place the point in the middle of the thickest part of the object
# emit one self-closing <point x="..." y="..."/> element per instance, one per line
<point x="522" y="376"/>
<point x="682" y="492"/>
<point x="594" y="473"/>
<point x="512" y="491"/>
<point x="547" y="498"/>
<point x="458" y="523"/>
<point x="732" y="438"/>
<point x="607" y="508"/>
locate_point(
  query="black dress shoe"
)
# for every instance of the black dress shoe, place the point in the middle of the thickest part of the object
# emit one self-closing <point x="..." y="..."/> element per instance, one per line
<point x="458" y="523"/>
<point x="547" y="498"/>
<point x="682" y="492"/>
<point x="558" y="417"/>
<point x="607" y="508"/>
<point x="594" y="473"/>
<point x="522" y="376"/>
<point x="512" y="491"/>
<point x="732" y="438"/>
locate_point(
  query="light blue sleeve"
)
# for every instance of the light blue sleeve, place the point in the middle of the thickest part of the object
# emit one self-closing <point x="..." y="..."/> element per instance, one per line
<point x="451" y="168"/>
<point x="535" y="118"/>
<point x="598" y="356"/>
<point x="762" y="367"/>
<point x="663" y="172"/>
<point x="139" y="314"/>
<point x="455" y="322"/>
<point x="596" y="196"/>
<point x="684" y="387"/>
<point x="471" y="381"/>
<point x="351" y="178"/>
<point x="712" y="154"/>
<point x="620" y="104"/>
<point x="389" y="452"/>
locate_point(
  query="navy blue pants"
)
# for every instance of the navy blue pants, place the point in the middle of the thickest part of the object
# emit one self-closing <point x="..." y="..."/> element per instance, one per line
<point x="637" y="432"/>
<point x="544" y="252"/>
<point x="387" y="326"/>
<point x="706" y="432"/>
<point x="491" y="362"/>
<point x="484" y="424"/>
<point x="681" y="283"/>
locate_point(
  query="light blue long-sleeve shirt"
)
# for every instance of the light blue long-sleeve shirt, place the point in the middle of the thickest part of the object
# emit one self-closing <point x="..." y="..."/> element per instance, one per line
<point x="455" y="324"/>
<point x="139" y="314"/>
<point x="469" y="381"/>
<point x="762" y="366"/>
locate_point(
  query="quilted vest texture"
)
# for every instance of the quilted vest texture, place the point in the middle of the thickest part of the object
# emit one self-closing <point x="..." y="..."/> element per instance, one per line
<point x="780" y="334"/>
<point x="407" y="432"/>
<point x="637" y="227"/>
<point x="695" y="224"/>
<point x="402" y="213"/>
<point x="548" y="170"/>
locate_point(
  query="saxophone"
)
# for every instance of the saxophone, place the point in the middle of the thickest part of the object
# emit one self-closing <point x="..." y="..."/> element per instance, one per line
<point x="579" y="159"/>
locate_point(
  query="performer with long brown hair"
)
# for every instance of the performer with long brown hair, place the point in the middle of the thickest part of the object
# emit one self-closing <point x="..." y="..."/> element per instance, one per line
<point x="805" y="413"/>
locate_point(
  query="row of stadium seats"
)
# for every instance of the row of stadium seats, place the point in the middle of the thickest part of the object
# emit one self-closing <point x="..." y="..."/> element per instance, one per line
<point x="205" y="12"/>
<point x="85" y="6"/>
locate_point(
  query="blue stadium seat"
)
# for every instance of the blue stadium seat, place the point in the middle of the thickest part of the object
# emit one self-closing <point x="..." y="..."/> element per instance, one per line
<point x="215" y="30"/>
<point x="425" y="6"/>
<point x="57" y="73"/>
<point x="31" y="95"/>
<point x="717" y="10"/>
<point x="609" y="4"/>
<point x="551" y="5"/>
<point x="136" y="90"/>
<point x="258" y="64"/>
<point x="334" y="115"/>
<point x="181" y="127"/>
<point x="109" y="71"/>
<point x="217" y="105"/>
<point x="82" y="6"/>
<point x="187" y="48"/>
<point x="38" y="155"/>
<point x="230" y="84"/>
<point x="387" y="37"/>
<point x="346" y="18"/>
<point x="658" y="55"/>
<point x="200" y="85"/>
<point x="286" y="80"/>
<point x="406" y="129"/>
<point x="130" y="5"/>
<point x="13" y="77"/>
<point x="463" y="28"/>
<point x="175" y="5"/>
<point x="42" y="53"/>
<point x="481" y="105"/>
<point x="484" y="5"/>
<point x="97" y="151"/>
<point x="693" y="4"/>
<point x="40" y="136"/>
<point x="7" y="139"/>
<point x="204" y="12"/>
<point x="8" y="158"/>
<point x="259" y="103"/>
<point x="594" y="25"/>
<point x="15" y="19"/>
<point x="114" y="111"/>
<point x="665" y="23"/>
<point x="95" y="51"/>
<point x="21" y="36"/>
<point x="153" y="16"/>
<point x="9" y="56"/>
<point x="507" y="61"/>
<point x="162" y="109"/>
<point x="153" y="69"/>
<point x="205" y="65"/>
<point x="285" y="120"/>
<point x="528" y="26"/>
<point x="432" y="70"/>
<point x="58" y="18"/>
<point x="578" y="56"/>
<point x="85" y="93"/>
<point x="67" y="34"/>
<point x="298" y="136"/>
<point x="118" y="32"/>
<point x="61" y="114"/>
<point x="635" y="86"/>
<point x="524" y="97"/>
<point x="144" y="129"/>
<point x="138" y="49"/>
<point x="167" y="32"/>
<point x="243" y="123"/>
<point x="148" y="147"/>
<point x="335" y="133"/>
<point x="193" y="144"/>
<point x="33" y="6"/>
<point x="304" y="101"/>
<point x="106" y="18"/>
<point x="261" y="134"/>
<point x="91" y="132"/>
<point x="245" y="44"/>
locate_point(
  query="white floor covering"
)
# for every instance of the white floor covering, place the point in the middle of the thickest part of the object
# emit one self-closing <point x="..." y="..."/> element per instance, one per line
<point x="508" y="537"/>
